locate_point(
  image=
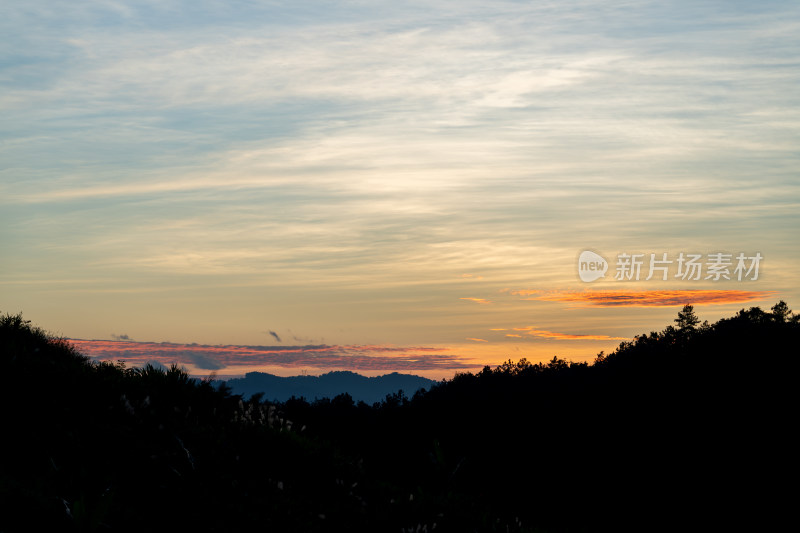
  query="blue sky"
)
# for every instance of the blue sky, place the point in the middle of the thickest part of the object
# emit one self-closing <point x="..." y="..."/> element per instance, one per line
<point x="350" y="173"/>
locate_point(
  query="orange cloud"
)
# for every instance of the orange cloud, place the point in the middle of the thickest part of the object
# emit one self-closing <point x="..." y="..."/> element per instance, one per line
<point x="477" y="300"/>
<point x="565" y="336"/>
<point x="476" y="340"/>
<point x="665" y="298"/>
<point x="499" y="329"/>
<point x="513" y="335"/>
<point x="471" y="276"/>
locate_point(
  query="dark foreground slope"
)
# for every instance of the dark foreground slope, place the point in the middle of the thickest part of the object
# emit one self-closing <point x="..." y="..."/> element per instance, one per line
<point x="687" y="428"/>
<point x="100" y="447"/>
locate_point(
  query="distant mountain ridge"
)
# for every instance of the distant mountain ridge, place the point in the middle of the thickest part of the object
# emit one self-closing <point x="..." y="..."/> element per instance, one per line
<point x="329" y="385"/>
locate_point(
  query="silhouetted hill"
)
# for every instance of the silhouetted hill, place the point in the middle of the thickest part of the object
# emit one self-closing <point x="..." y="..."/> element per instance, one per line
<point x="329" y="385"/>
<point x="688" y="428"/>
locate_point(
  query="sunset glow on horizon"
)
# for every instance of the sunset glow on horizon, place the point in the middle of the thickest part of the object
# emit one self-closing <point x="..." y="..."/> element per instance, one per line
<point x="386" y="186"/>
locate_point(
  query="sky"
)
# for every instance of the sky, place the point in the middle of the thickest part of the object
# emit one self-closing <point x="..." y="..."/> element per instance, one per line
<point x="393" y="186"/>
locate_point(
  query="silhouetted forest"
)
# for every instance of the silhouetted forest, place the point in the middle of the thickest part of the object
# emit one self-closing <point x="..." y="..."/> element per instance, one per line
<point x="684" y="429"/>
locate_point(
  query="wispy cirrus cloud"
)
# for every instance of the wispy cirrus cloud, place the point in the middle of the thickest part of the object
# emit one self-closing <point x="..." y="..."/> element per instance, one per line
<point x="330" y="156"/>
<point x="653" y="298"/>
<point x="231" y="357"/>
<point x="474" y="339"/>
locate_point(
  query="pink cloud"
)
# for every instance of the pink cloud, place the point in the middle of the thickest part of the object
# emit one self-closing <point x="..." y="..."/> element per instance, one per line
<point x="217" y="357"/>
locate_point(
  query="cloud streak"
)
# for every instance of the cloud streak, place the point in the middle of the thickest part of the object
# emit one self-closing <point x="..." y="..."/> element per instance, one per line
<point x="217" y="357"/>
<point x="565" y="336"/>
<point x="477" y="300"/>
<point x="654" y="298"/>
